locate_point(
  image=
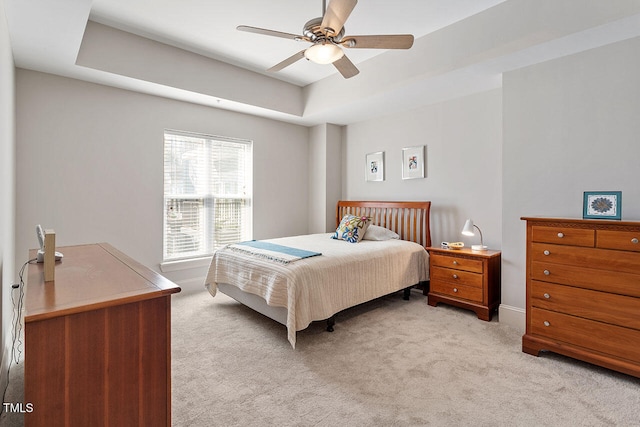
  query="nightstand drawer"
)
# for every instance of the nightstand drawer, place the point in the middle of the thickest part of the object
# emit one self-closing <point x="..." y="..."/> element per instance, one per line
<point x="439" y="274"/>
<point x="457" y="263"/>
<point x="457" y="291"/>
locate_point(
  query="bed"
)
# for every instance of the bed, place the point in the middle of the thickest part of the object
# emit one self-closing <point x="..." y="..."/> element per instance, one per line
<point x="300" y="279"/>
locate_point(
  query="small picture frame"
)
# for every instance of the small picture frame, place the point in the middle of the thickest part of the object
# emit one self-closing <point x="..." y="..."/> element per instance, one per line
<point x="413" y="162"/>
<point x="602" y="205"/>
<point x="374" y="166"/>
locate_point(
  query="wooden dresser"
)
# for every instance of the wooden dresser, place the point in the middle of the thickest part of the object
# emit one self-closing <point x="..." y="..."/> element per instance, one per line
<point x="465" y="278"/>
<point x="97" y="341"/>
<point x="583" y="291"/>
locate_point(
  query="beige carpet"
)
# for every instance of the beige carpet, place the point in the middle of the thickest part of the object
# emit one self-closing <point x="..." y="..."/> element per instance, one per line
<point x="388" y="363"/>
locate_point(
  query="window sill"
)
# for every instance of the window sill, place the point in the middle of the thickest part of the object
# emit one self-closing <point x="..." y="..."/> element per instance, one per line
<point x="185" y="264"/>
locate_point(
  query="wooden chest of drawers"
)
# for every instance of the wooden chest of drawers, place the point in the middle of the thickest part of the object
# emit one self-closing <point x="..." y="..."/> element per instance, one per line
<point x="583" y="291"/>
<point x="465" y="278"/>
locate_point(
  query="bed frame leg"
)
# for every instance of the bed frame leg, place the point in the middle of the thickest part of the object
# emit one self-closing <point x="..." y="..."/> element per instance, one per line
<point x="330" y="323"/>
<point x="407" y="294"/>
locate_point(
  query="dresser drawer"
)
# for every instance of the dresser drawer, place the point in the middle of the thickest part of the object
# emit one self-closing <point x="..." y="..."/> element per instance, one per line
<point x="604" y="307"/>
<point x="605" y="259"/>
<point x="456" y="290"/>
<point x="564" y="236"/>
<point x="458" y="263"/>
<point x="601" y="337"/>
<point x="621" y="240"/>
<point x="599" y="280"/>
<point x="456" y="277"/>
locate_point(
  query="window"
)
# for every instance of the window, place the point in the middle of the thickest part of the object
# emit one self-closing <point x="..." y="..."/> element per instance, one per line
<point x="207" y="194"/>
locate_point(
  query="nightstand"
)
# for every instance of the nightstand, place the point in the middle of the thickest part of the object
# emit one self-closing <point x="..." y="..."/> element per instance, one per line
<point x="465" y="278"/>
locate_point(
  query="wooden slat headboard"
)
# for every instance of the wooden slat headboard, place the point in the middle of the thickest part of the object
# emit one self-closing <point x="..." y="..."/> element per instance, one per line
<point x="409" y="219"/>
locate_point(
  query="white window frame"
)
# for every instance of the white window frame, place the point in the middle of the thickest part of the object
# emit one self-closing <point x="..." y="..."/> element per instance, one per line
<point x="193" y="194"/>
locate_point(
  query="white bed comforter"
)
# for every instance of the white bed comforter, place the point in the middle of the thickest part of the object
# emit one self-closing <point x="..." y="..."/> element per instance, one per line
<point x="345" y="275"/>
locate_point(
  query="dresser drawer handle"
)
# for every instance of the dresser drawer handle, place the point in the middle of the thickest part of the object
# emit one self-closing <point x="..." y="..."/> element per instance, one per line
<point x="546" y="295"/>
<point x="455" y="276"/>
<point x="455" y="289"/>
<point x="546" y="253"/>
<point x="455" y="262"/>
<point x="546" y="272"/>
<point x="634" y="240"/>
<point x="546" y="323"/>
<point x="561" y="235"/>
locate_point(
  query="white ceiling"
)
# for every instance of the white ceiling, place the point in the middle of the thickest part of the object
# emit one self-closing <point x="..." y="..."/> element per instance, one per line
<point x="209" y="27"/>
<point x="46" y="36"/>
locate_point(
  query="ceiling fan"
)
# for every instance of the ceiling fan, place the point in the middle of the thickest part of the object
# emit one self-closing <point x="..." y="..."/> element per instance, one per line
<point x="327" y="37"/>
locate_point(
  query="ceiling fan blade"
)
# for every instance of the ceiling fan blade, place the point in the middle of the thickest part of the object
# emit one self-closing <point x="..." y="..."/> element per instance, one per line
<point x="336" y="15"/>
<point x="346" y="67"/>
<point x="290" y="60"/>
<point x="264" y="32"/>
<point x="392" y="41"/>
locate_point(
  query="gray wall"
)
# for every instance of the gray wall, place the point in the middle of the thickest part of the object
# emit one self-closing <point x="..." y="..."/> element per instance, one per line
<point x="7" y="193"/>
<point x="570" y="125"/>
<point x="89" y="166"/>
<point x="554" y="130"/>
<point x="463" y="176"/>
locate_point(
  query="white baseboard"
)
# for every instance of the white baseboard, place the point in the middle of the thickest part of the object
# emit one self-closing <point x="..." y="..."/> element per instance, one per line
<point x="190" y="286"/>
<point x="515" y="317"/>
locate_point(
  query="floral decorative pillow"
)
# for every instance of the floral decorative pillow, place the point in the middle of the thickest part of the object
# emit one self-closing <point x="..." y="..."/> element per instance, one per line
<point x="352" y="228"/>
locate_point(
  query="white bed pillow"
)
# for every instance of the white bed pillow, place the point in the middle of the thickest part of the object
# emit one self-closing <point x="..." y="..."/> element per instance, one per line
<point x="375" y="232"/>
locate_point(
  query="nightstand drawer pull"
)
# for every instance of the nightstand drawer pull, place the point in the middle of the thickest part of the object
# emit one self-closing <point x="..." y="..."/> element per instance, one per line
<point x="546" y="272"/>
<point x="634" y="240"/>
<point x="561" y="235"/>
<point x="456" y="262"/>
<point x="546" y="295"/>
<point x="546" y="323"/>
<point x="455" y="276"/>
<point x="455" y="289"/>
<point x="546" y="253"/>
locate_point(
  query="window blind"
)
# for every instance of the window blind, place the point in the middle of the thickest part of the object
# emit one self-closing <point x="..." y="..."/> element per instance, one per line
<point x="207" y="193"/>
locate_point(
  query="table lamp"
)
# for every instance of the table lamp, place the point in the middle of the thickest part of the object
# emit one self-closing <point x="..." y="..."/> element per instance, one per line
<point x="468" y="230"/>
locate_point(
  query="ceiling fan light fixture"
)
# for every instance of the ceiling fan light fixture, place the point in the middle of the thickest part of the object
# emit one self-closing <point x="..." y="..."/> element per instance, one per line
<point x="324" y="53"/>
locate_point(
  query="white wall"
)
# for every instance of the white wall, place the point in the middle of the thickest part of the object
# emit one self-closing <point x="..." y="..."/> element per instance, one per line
<point x="317" y="177"/>
<point x="334" y="174"/>
<point x="570" y="125"/>
<point x="325" y="189"/>
<point x="7" y="193"/>
<point x="89" y="165"/>
<point x="463" y="175"/>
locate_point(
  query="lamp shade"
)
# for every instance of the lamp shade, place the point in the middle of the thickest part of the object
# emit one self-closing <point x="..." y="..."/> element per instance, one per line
<point x="468" y="230"/>
<point x="324" y="53"/>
